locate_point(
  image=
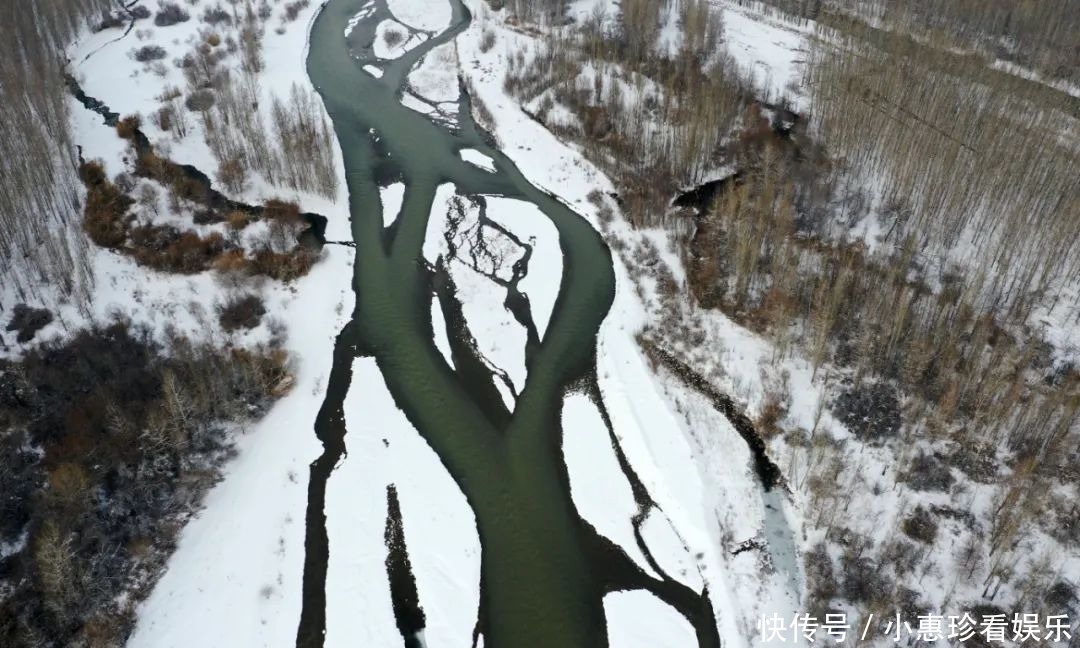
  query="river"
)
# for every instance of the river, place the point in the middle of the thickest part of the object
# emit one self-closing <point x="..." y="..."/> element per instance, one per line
<point x="544" y="571"/>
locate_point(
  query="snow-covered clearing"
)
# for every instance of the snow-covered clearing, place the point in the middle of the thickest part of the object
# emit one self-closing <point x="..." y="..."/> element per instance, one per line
<point x="426" y="16"/>
<point x="773" y="51"/>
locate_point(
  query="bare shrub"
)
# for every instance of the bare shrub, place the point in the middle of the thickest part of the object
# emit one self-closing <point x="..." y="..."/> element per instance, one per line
<point x="127" y="126"/>
<point x="241" y="311"/>
<point x="200" y="101"/>
<point x="170" y="14"/>
<point x="28" y="321"/>
<point x="487" y="40"/>
<point x="393" y="38"/>
<point x="920" y="525"/>
<point x="869" y="411"/>
<point x="216" y="15"/>
<point x="148" y="53"/>
<point x="928" y="473"/>
<point x="233" y="174"/>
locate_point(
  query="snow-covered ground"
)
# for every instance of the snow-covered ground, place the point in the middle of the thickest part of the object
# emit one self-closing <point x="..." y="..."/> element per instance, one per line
<point x="107" y="70"/>
<point x="439" y="528"/>
<point x="426" y="16"/>
<point x="772" y="50"/>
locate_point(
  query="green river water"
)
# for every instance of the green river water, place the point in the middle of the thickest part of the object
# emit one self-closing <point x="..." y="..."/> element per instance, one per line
<point x="544" y="570"/>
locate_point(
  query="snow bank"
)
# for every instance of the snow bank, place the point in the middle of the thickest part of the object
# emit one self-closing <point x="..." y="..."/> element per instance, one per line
<point x="392" y="198"/>
<point x="600" y="491"/>
<point x="439" y="527"/>
<point x="427" y="16"/>
<point x="531" y="226"/>
<point x="637" y="619"/>
<point x="435" y="78"/>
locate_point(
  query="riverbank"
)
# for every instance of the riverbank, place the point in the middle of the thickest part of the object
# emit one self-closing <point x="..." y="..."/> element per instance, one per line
<point x="246" y="545"/>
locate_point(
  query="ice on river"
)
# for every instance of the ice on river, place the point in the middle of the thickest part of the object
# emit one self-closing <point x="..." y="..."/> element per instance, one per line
<point x="472" y="156"/>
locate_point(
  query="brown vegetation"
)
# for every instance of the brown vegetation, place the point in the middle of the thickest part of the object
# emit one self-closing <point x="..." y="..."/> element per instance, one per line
<point x="130" y="438"/>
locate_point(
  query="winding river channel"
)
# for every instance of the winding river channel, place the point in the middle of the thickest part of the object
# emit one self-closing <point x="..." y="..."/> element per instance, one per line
<point x="544" y="571"/>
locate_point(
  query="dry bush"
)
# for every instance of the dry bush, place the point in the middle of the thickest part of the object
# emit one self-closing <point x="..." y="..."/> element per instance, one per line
<point x="920" y="526"/>
<point x="127" y="126"/>
<point x="487" y="40"/>
<point x="393" y="38"/>
<point x="282" y="266"/>
<point x="105" y="216"/>
<point x="216" y="15"/>
<point x="170" y="13"/>
<point x="200" y="101"/>
<point x="233" y="175"/>
<point x="148" y="53"/>
<point x="241" y="311"/>
<point x="28" y="321"/>
<point x="238" y="220"/>
<point x="165" y="248"/>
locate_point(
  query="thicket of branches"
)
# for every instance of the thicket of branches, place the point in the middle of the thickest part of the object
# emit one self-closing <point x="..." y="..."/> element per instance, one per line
<point x="108" y="443"/>
<point x="38" y="184"/>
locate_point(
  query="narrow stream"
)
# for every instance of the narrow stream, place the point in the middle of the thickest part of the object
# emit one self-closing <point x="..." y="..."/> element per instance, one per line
<point x="544" y="571"/>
